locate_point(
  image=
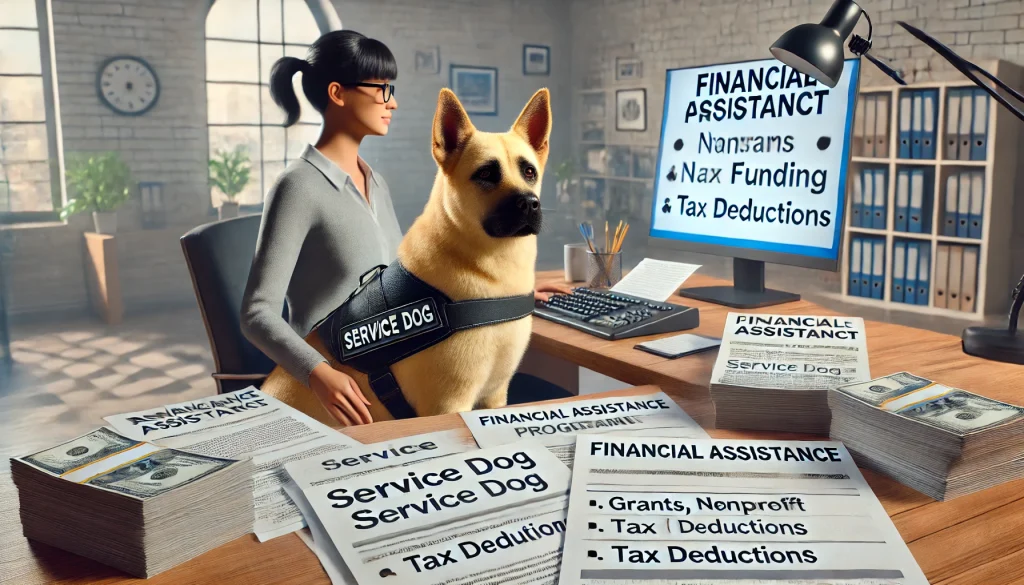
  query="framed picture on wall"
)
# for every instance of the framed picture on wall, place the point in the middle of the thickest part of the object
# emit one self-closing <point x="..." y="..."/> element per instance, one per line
<point x="631" y="110"/>
<point x="628" y="68"/>
<point x="428" y="60"/>
<point x="476" y="87"/>
<point x="536" y="60"/>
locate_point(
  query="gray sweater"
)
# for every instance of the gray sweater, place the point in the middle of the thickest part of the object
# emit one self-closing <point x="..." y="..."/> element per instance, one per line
<point x="317" y="236"/>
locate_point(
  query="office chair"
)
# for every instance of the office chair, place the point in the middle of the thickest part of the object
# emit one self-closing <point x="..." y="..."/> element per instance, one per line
<point x="218" y="256"/>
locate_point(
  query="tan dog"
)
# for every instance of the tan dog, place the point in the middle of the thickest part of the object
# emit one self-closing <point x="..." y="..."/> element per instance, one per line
<point x="476" y="238"/>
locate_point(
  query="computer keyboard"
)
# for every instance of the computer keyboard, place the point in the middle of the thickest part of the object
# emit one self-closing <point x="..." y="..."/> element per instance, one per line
<point x="615" y="316"/>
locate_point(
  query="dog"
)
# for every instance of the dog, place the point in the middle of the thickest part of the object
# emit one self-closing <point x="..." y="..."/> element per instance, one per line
<point x="476" y="238"/>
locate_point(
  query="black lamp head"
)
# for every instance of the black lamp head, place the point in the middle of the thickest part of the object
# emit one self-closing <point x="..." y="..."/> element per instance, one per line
<point x="817" y="49"/>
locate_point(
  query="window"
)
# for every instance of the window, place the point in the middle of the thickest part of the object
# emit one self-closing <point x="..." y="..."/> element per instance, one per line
<point x="243" y="40"/>
<point x="30" y="180"/>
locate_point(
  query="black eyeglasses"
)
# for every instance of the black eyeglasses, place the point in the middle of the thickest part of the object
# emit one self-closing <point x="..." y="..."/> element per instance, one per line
<point x="387" y="88"/>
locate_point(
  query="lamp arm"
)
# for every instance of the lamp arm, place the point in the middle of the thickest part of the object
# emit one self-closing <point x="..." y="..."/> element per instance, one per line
<point x="867" y="18"/>
<point x="968" y="68"/>
<point x="1018" y="300"/>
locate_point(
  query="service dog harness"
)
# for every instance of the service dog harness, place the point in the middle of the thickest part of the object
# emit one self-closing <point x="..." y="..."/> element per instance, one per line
<point x="392" y="315"/>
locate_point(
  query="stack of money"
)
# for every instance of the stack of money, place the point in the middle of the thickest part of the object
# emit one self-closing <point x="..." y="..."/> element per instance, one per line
<point x="944" y="442"/>
<point x="132" y="505"/>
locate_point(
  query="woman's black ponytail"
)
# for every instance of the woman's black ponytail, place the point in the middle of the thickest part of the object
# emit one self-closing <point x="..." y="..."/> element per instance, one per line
<point x="344" y="56"/>
<point x="281" y="88"/>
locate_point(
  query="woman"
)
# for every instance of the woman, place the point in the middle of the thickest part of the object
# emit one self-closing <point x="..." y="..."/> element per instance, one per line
<point x="328" y="218"/>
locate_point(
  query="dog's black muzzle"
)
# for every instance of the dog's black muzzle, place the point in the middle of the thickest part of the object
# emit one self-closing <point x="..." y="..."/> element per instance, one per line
<point x="516" y="215"/>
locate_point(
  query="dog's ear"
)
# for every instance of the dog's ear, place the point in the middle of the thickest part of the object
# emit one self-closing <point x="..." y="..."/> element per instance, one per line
<point x="534" y="123"/>
<point x="452" y="127"/>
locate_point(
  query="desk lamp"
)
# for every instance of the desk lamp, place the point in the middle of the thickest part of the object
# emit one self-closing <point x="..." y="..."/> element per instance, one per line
<point x="816" y="50"/>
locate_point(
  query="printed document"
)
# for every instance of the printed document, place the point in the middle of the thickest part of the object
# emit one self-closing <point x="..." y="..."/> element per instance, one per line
<point x="356" y="462"/>
<point x="654" y="280"/>
<point x="791" y="352"/>
<point x="556" y="425"/>
<point x="654" y="511"/>
<point x="484" y="516"/>
<point x="241" y="425"/>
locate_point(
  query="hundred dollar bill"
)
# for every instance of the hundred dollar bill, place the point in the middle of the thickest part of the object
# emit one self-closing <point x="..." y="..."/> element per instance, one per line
<point x="879" y="390"/>
<point x="160" y="472"/>
<point x="963" y="413"/>
<point x="950" y="409"/>
<point x="80" y="452"/>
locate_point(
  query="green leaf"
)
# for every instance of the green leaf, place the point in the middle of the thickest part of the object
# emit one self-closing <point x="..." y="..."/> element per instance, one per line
<point x="230" y="171"/>
<point x="97" y="182"/>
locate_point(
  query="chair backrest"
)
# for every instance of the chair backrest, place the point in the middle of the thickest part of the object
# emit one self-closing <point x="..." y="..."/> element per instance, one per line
<point x="219" y="256"/>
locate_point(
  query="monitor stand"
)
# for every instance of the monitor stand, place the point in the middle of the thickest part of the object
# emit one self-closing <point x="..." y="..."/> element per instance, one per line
<point x="747" y="291"/>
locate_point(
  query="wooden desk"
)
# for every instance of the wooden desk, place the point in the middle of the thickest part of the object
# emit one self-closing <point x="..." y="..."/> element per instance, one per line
<point x="974" y="540"/>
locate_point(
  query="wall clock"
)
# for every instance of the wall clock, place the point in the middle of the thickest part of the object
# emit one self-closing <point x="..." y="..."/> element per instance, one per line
<point x="127" y="85"/>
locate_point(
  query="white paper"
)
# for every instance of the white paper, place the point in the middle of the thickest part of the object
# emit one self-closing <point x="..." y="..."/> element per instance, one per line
<point x="241" y="425"/>
<point x="556" y="425"/>
<point x="367" y="459"/>
<point x="683" y="343"/>
<point x="791" y="352"/>
<point x="485" y="516"/>
<point x="664" y="510"/>
<point x="654" y="280"/>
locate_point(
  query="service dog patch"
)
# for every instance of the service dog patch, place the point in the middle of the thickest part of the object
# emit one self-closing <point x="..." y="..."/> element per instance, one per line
<point x="388" y="327"/>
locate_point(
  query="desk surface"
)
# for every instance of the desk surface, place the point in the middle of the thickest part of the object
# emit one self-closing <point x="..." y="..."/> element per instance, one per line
<point x="973" y="540"/>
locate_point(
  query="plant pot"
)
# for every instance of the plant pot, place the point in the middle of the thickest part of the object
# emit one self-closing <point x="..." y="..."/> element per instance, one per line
<point x="105" y="221"/>
<point x="227" y="210"/>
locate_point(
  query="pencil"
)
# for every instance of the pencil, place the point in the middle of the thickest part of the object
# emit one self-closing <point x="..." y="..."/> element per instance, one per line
<point x="607" y="246"/>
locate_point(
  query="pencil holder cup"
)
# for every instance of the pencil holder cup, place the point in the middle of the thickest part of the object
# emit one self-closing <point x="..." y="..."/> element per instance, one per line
<point x="604" y="270"/>
<point x="575" y="262"/>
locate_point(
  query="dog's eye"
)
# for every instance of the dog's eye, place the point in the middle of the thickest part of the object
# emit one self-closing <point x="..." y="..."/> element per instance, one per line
<point x="488" y="173"/>
<point x="530" y="173"/>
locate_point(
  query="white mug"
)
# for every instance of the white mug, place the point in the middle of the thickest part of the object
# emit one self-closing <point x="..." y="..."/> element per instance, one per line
<point x="575" y="262"/>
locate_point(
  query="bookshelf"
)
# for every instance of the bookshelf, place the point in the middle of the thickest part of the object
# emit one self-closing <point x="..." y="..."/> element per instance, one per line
<point x="614" y="169"/>
<point x="992" y="170"/>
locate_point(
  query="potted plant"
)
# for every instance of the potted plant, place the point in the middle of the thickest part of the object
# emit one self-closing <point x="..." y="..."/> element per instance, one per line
<point x="229" y="173"/>
<point x="99" y="182"/>
<point x="565" y="173"/>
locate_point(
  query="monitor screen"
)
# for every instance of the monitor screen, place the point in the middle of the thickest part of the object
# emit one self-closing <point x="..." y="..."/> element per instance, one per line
<point x="752" y="162"/>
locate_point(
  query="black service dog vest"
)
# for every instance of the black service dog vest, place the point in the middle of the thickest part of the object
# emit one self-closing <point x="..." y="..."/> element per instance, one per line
<point x="392" y="315"/>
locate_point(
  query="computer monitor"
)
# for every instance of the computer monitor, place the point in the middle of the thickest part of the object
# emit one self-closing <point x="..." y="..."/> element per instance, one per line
<point x="752" y="164"/>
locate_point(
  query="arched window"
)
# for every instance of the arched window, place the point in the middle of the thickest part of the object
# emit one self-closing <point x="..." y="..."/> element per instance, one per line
<point x="243" y="40"/>
<point x="30" y="168"/>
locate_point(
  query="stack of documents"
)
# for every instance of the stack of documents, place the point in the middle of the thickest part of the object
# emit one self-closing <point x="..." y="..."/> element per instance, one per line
<point x="246" y="424"/>
<point x="658" y="510"/>
<point x="942" y="441"/>
<point x="773" y="372"/>
<point x="132" y="505"/>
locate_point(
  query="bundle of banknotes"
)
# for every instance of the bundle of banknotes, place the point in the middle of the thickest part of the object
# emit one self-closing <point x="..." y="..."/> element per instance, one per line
<point x="944" y="442"/>
<point x="132" y="505"/>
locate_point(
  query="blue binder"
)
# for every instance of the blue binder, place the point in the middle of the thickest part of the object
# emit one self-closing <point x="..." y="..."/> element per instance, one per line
<point x="949" y="208"/>
<point x="910" y="282"/>
<point x="865" y="267"/>
<point x="916" y="124"/>
<point x="906" y="99"/>
<point x="917" y="196"/>
<point x="899" y="267"/>
<point x="857" y="207"/>
<point x="924" y="268"/>
<point x="902" y="200"/>
<point x="929" y="122"/>
<point x="881" y="194"/>
<point x="963" y="205"/>
<point x="878" y="268"/>
<point x="979" y="125"/>
<point x="868" y="210"/>
<point x="977" y="204"/>
<point x="855" y="266"/>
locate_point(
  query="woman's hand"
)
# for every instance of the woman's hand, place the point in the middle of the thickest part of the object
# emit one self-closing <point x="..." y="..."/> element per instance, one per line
<point x="340" y="395"/>
<point x="541" y="293"/>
